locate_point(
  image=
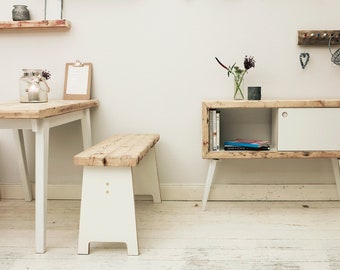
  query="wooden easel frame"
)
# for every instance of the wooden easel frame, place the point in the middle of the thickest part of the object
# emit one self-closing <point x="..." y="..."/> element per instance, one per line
<point x="77" y="75"/>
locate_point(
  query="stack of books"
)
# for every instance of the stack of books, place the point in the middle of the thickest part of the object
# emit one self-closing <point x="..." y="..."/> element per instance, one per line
<point x="214" y="130"/>
<point x="240" y="144"/>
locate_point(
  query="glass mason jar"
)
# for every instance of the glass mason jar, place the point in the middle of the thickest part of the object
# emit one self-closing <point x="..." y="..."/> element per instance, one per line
<point x="33" y="86"/>
<point x="20" y="13"/>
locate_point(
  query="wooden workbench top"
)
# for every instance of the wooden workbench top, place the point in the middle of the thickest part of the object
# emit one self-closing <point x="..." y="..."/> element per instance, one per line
<point x="16" y="110"/>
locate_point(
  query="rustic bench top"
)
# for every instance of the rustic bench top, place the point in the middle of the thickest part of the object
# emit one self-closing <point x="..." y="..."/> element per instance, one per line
<point x="124" y="150"/>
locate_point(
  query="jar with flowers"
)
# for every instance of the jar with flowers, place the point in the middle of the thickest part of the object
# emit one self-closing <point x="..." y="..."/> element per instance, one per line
<point x="238" y="75"/>
<point x="33" y="86"/>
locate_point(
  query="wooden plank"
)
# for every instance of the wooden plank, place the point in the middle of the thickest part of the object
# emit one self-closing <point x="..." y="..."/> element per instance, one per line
<point x="16" y="110"/>
<point x="31" y="24"/>
<point x="119" y="150"/>
<point x="205" y="129"/>
<point x="329" y="103"/>
<point x="271" y="154"/>
<point x="318" y="37"/>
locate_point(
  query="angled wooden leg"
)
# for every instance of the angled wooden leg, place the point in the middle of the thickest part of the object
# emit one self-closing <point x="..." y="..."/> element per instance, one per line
<point x="335" y="165"/>
<point x="208" y="181"/>
<point x="145" y="177"/>
<point x="22" y="162"/>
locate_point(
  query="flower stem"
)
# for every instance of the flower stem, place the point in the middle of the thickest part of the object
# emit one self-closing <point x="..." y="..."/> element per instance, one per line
<point x="238" y="81"/>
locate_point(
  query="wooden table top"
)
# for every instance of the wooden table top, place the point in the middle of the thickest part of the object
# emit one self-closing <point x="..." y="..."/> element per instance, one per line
<point x="17" y="110"/>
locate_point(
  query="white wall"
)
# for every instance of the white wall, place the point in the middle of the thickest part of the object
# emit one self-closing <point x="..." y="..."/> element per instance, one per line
<point x="154" y="64"/>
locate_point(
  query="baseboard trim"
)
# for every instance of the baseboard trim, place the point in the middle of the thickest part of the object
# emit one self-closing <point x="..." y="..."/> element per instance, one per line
<point x="55" y="192"/>
<point x="177" y="192"/>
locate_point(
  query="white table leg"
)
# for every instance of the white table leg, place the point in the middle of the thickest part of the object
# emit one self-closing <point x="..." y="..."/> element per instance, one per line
<point x="22" y="162"/>
<point x="41" y="181"/>
<point x="335" y="165"/>
<point x="208" y="181"/>
<point x="86" y="129"/>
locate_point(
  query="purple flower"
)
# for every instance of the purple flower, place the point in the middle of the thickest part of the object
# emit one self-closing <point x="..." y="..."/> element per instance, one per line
<point x="46" y="74"/>
<point x="249" y="62"/>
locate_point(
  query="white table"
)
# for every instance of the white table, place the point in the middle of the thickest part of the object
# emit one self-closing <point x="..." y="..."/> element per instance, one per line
<point x="40" y="117"/>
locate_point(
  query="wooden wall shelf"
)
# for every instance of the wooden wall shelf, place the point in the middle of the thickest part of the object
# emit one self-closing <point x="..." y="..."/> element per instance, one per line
<point x="31" y="25"/>
<point x="318" y="37"/>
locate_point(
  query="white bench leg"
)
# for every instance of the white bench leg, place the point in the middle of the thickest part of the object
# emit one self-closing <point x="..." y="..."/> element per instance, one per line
<point x="107" y="208"/>
<point x="145" y="177"/>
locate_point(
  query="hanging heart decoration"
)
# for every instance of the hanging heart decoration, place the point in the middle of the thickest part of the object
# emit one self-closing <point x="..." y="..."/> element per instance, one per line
<point x="304" y="58"/>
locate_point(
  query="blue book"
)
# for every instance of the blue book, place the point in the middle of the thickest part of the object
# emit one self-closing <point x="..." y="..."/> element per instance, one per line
<point x="248" y="143"/>
<point x="244" y="148"/>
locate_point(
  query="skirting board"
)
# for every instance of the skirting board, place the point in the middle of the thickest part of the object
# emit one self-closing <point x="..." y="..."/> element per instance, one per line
<point x="195" y="192"/>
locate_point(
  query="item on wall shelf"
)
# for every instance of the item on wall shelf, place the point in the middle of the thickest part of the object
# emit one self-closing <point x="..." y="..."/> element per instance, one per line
<point x="20" y="13"/>
<point x="33" y="86"/>
<point x="238" y="74"/>
<point x="304" y="59"/>
<point x="77" y="83"/>
<point x="336" y="55"/>
<point x="53" y="9"/>
<point x="254" y="92"/>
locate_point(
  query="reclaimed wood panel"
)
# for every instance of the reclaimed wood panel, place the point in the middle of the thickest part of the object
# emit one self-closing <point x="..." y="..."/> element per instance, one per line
<point x="119" y="150"/>
<point x="329" y="103"/>
<point x="270" y="154"/>
<point x="318" y="37"/>
<point x="17" y="110"/>
<point x="31" y="24"/>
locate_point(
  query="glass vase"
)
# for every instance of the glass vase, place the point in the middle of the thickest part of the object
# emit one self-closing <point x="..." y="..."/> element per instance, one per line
<point x="238" y="86"/>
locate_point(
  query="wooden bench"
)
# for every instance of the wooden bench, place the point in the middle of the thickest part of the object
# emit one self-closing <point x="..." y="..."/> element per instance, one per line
<point x="111" y="178"/>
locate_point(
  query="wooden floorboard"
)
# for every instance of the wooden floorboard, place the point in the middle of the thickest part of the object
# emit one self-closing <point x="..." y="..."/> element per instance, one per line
<point x="179" y="235"/>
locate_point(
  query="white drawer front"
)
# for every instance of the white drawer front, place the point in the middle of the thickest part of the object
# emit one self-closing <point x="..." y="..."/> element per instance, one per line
<point x="308" y="129"/>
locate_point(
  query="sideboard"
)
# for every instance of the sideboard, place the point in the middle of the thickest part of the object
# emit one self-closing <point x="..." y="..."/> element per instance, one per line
<point x="294" y="128"/>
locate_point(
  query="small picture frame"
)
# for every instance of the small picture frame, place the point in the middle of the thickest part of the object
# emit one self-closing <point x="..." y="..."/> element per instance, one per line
<point x="77" y="83"/>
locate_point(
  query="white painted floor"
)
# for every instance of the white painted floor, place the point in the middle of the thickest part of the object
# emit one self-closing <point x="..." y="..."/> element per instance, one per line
<point x="179" y="235"/>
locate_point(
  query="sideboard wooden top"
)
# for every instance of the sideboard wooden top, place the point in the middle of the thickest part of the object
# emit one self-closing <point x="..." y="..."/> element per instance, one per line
<point x="16" y="110"/>
<point x="312" y="103"/>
